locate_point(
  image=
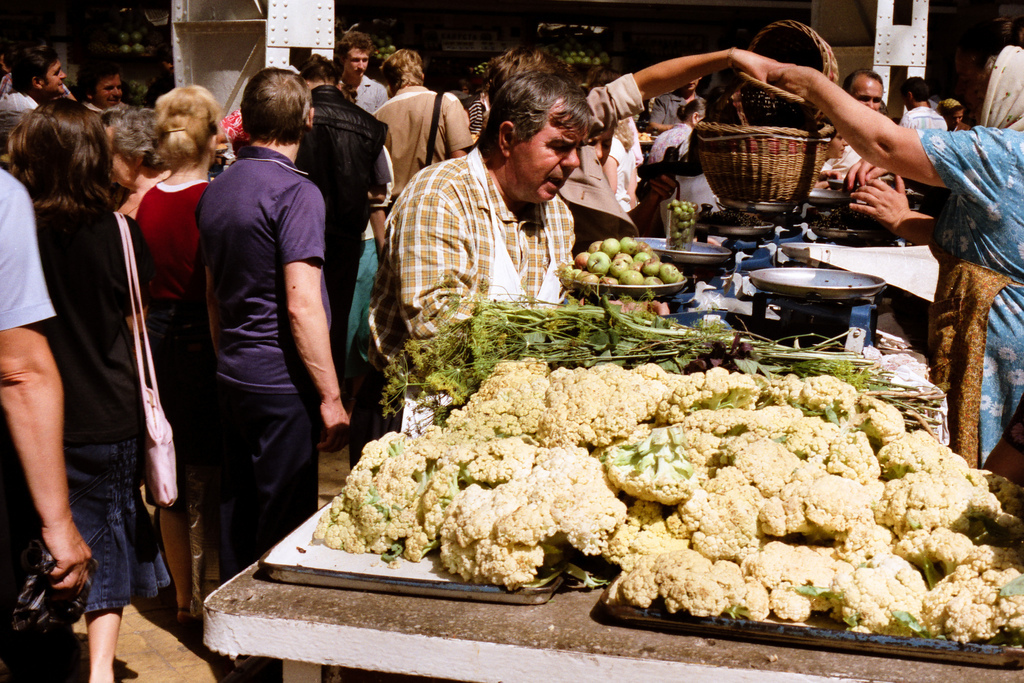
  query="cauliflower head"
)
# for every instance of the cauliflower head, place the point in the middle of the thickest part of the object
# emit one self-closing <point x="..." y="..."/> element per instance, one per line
<point x="873" y="595"/>
<point x="653" y="465"/>
<point x="824" y="395"/>
<point x="825" y="507"/>
<point x="717" y="388"/>
<point x="881" y="422"/>
<point x="509" y="403"/>
<point x="927" y="501"/>
<point x="783" y="568"/>
<point x="601" y="405"/>
<point x="645" y="532"/>
<point x="722" y="518"/>
<point x="564" y="499"/>
<point x="765" y="463"/>
<point x="918" y="451"/>
<point x="689" y="582"/>
<point x="967" y="606"/>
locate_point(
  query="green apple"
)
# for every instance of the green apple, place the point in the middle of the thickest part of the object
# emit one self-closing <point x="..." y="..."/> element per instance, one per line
<point x="610" y="246"/>
<point x="594" y="246"/>
<point x="618" y="267"/>
<point x="599" y="263"/>
<point x="669" y="273"/>
<point x="628" y="245"/>
<point x="642" y="257"/>
<point x="631" y="277"/>
<point x="590" y="279"/>
<point x="651" y="280"/>
<point x="651" y="268"/>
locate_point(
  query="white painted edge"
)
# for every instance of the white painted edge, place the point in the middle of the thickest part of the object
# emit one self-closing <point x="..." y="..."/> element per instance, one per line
<point x="419" y="655"/>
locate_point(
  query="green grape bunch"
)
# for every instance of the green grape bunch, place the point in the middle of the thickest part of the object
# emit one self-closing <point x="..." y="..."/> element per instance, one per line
<point x="682" y="217"/>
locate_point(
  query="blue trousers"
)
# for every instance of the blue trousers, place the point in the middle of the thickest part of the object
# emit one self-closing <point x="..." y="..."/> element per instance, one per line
<point x="269" y="484"/>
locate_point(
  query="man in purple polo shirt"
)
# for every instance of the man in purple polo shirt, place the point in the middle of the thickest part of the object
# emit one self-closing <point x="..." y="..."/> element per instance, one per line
<point x="261" y="226"/>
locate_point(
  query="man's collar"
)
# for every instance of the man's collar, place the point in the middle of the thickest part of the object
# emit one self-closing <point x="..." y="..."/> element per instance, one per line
<point x="267" y="154"/>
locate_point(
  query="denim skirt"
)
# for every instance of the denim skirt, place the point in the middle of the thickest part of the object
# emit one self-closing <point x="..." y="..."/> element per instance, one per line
<point x="108" y="511"/>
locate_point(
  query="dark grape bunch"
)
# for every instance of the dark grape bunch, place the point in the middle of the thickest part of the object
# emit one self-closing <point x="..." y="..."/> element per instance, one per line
<point x="731" y="218"/>
<point x="845" y="218"/>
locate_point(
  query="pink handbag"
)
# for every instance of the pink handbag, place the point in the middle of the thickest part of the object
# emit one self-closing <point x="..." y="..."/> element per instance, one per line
<point x="161" y="477"/>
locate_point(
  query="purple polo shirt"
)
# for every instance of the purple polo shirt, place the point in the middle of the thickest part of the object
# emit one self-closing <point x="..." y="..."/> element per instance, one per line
<point x="255" y="217"/>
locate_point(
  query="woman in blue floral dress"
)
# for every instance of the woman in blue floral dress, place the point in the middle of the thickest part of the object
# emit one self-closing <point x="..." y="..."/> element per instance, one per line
<point x="977" y="322"/>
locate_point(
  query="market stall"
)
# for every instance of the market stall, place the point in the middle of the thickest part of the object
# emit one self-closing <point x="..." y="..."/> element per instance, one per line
<point x="566" y="639"/>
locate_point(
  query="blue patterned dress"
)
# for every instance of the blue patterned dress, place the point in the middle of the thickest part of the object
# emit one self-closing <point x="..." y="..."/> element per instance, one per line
<point x="983" y="223"/>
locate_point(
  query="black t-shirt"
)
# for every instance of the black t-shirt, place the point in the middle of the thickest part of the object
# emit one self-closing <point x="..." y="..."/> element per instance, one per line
<point x="89" y="337"/>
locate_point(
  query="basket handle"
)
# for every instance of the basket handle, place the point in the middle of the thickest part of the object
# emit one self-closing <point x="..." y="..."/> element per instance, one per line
<point x="772" y="90"/>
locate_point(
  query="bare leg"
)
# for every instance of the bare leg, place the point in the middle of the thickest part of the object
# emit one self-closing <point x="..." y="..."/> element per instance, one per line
<point x="177" y="552"/>
<point x="102" y="627"/>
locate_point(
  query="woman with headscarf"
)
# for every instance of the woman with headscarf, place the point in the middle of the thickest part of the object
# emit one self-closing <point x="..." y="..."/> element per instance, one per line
<point x="60" y="153"/>
<point x="976" y="334"/>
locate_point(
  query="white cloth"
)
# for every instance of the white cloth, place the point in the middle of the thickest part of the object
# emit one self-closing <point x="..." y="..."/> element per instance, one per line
<point x="1004" y="97"/>
<point x="12" y="106"/>
<point x="506" y="283"/>
<point x="842" y="164"/>
<point x="625" y="167"/>
<point x="923" y="118"/>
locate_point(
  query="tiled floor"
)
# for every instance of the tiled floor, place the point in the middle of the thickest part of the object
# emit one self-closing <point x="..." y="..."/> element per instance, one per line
<point x="154" y="648"/>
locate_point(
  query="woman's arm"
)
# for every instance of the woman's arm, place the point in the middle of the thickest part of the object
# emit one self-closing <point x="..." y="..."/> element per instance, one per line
<point x="666" y="76"/>
<point x="871" y="134"/>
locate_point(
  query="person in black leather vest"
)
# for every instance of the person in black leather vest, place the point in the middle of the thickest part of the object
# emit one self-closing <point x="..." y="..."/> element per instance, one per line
<point x="343" y="154"/>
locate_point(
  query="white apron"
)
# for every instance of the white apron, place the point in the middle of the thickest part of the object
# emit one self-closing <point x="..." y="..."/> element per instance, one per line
<point x="505" y="285"/>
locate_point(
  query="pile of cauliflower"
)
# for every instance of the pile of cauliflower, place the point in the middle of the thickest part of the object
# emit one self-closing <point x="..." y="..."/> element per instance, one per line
<point x="716" y="493"/>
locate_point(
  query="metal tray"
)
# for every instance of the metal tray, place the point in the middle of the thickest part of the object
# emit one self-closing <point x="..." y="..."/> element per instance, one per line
<point x="736" y="230"/>
<point x="700" y="253"/>
<point x="758" y="207"/>
<point x="817" y="283"/>
<point x="870" y="235"/>
<point x="632" y="291"/>
<point x="798" y="635"/>
<point x="828" y="197"/>
<point x="299" y="559"/>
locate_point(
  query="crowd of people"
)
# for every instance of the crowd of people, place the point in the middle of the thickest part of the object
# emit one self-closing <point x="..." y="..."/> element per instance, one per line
<point x="353" y="216"/>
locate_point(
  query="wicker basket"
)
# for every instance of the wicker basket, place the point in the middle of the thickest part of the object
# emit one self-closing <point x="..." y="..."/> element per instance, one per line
<point x="791" y="42"/>
<point x="761" y="164"/>
<point x="762" y="144"/>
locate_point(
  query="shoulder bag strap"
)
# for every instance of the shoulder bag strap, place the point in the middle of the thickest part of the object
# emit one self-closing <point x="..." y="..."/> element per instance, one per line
<point x="135" y="295"/>
<point x="435" y="119"/>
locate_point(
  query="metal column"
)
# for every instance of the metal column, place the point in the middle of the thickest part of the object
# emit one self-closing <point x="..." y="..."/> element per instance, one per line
<point x="220" y="44"/>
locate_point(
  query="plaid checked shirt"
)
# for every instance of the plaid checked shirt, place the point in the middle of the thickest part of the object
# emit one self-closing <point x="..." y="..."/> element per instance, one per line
<point x="441" y="230"/>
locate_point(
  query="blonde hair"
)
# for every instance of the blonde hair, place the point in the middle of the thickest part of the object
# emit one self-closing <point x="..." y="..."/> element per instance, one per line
<point x="402" y="69"/>
<point x="186" y="119"/>
<point x="624" y="133"/>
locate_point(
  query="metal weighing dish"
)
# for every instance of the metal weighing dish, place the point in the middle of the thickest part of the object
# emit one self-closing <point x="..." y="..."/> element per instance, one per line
<point x="700" y="254"/>
<point x="869" y="235"/>
<point x="817" y="283"/>
<point x="828" y="197"/>
<point x="759" y="207"/>
<point x="736" y="230"/>
<point x="632" y="291"/>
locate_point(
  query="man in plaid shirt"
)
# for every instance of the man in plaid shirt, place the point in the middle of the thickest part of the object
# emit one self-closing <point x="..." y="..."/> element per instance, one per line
<point x="490" y="223"/>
